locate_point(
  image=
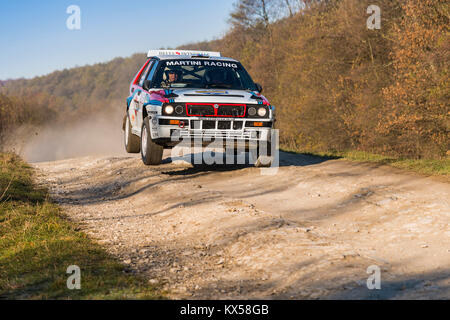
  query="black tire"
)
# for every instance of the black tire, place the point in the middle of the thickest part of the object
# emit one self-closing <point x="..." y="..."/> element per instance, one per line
<point x="151" y="152"/>
<point x="132" y="142"/>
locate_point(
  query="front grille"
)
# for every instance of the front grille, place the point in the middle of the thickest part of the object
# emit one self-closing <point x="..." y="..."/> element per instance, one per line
<point x="201" y="110"/>
<point x="237" y="125"/>
<point x="223" y="134"/>
<point x="196" y="124"/>
<point x="216" y="110"/>
<point x="209" y="125"/>
<point x="231" y="110"/>
<point x="224" y="125"/>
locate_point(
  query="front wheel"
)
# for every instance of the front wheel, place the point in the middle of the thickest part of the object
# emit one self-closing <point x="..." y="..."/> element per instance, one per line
<point x="151" y="152"/>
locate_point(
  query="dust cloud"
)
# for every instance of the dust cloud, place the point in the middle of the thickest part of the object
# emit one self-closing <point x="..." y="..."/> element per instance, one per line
<point x="88" y="137"/>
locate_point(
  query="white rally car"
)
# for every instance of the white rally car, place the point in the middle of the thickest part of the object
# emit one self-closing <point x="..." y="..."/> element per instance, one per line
<point x="195" y="95"/>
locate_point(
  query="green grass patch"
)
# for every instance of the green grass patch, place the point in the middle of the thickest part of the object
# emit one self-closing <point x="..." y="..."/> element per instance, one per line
<point x="439" y="167"/>
<point x="38" y="244"/>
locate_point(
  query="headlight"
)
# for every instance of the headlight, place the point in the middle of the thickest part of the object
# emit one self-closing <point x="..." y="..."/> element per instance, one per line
<point x="179" y="109"/>
<point x="168" y="109"/>
<point x="262" y="112"/>
<point x="251" y="111"/>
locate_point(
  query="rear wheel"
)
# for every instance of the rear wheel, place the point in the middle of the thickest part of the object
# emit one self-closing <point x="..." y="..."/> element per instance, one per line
<point x="151" y="152"/>
<point x="132" y="142"/>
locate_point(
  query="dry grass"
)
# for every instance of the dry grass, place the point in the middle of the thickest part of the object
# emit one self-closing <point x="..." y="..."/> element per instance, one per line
<point x="37" y="244"/>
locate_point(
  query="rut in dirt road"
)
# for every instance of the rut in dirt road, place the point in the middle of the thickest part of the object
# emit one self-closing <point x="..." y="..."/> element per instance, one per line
<point x="309" y="231"/>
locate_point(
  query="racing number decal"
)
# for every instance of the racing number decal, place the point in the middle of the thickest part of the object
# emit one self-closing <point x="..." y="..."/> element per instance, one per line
<point x="134" y="108"/>
<point x="140" y="106"/>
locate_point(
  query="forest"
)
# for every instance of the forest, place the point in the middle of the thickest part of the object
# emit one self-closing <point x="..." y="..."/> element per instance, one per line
<point x="336" y="84"/>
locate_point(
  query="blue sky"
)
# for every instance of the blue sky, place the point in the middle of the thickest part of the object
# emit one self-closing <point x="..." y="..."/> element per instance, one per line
<point x="35" y="40"/>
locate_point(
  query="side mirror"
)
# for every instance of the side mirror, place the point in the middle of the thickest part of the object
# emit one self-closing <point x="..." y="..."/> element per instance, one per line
<point x="147" y="84"/>
<point x="259" y="87"/>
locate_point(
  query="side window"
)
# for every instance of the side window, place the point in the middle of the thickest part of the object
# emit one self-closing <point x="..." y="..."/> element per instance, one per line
<point x="152" y="72"/>
<point x="143" y="76"/>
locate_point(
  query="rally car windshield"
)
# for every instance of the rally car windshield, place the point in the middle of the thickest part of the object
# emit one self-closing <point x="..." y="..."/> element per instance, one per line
<point x="204" y="74"/>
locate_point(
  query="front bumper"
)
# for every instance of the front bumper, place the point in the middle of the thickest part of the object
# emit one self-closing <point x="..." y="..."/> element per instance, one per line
<point x="239" y="131"/>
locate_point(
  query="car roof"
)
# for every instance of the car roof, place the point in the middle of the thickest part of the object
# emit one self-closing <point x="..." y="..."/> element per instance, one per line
<point x="188" y="57"/>
<point x="163" y="54"/>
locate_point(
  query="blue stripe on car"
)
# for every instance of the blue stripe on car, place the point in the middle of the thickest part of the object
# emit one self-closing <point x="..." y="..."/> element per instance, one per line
<point x="154" y="102"/>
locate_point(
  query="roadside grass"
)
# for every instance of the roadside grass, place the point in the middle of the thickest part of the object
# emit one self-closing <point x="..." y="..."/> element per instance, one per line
<point x="422" y="166"/>
<point x="38" y="244"/>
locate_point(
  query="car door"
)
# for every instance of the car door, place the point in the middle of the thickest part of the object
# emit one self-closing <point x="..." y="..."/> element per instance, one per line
<point x="133" y="110"/>
<point x="144" y="95"/>
<point x="139" y="98"/>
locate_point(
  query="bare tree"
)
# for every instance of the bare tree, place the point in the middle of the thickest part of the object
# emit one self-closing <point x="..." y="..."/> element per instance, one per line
<point x="250" y="13"/>
<point x="263" y="11"/>
<point x="288" y="5"/>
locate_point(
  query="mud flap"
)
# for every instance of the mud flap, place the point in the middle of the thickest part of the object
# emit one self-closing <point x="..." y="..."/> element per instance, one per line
<point x="124" y="122"/>
<point x="152" y="112"/>
<point x="154" y="127"/>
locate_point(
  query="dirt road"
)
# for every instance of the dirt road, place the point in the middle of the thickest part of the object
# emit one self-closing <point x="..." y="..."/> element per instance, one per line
<point x="310" y="231"/>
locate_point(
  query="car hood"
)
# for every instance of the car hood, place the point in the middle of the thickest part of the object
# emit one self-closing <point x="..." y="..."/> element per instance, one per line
<point x="217" y="96"/>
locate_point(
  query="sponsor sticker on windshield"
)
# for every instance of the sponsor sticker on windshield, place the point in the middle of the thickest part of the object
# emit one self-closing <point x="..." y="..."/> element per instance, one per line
<point x="191" y="63"/>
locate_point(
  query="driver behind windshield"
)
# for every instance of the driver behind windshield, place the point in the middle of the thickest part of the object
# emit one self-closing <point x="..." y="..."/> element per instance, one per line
<point x="203" y="75"/>
<point x="172" y="76"/>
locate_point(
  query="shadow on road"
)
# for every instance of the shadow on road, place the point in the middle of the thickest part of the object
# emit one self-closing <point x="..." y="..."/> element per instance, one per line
<point x="285" y="159"/>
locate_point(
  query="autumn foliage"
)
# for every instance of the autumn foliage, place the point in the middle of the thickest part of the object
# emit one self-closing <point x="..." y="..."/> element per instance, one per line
<point x="416" y="110"/>
<point x="339" y="86"/>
